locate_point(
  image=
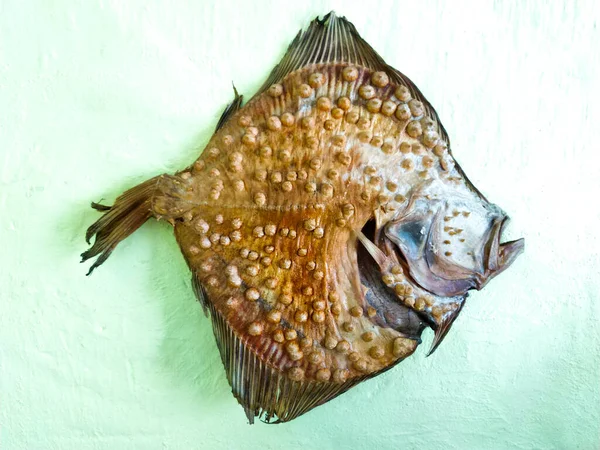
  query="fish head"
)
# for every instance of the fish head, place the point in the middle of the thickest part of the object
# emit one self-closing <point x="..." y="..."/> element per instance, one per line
<point x="449" y="237"/>
<point x="447" y="241"/>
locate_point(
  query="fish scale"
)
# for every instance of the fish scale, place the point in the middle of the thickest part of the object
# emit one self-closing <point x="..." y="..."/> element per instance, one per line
<point x="311" y="225"/>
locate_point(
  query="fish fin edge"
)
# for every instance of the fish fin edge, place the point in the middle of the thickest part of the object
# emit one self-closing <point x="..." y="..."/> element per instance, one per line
<point x="442" y="329"/>
<point x="230" y="109"/>
<point x="334" y="39"/>
<point x="129" y="212"/>
<point x="200" y="294"/>
<point x="263" y="391"/>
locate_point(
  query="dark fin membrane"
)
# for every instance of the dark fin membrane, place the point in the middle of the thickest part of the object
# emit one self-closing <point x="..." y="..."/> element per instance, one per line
<point x="100" y="207"/>
<point x="130" y="211"/>
<point x="230" y="109"/>
<point x="200" y="294"/>
<point x="263" y="391"/>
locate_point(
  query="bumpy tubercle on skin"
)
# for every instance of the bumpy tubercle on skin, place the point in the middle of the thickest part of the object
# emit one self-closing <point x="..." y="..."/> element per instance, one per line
<point x="437" y="309"/>
<point x="284" y="186"/>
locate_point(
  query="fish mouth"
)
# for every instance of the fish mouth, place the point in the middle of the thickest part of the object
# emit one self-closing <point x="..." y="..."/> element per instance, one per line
<point x="498" y="256"/>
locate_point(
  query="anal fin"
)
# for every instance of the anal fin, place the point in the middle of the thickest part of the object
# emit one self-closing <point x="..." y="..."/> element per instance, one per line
<point x="200" y="294"/>
<point x="262" y="390"/>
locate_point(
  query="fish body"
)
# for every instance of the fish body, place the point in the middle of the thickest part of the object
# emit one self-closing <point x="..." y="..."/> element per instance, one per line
<point x="326" y="224"/>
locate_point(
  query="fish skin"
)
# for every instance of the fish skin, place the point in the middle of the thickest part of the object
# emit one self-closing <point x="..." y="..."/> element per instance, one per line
<point x="316" y="225"/>
<point x="304" y="154"/>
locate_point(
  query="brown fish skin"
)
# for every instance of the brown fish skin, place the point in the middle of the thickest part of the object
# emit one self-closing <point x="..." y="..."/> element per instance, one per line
<point x="314" y="223"/>
<point x="307" y="224"/>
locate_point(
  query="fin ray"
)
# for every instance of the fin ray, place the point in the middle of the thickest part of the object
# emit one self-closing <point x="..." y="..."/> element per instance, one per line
<point x="230" y="109"/>
<point x="130" y="211"/>
<point x="264" y="391"/>
<point x="442" y="329"/>
<point x="200" y="294"/>
<point x="334" y="39"/>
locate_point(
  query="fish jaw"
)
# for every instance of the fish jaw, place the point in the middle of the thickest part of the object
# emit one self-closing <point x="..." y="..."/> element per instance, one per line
<point x="499" y="256"/>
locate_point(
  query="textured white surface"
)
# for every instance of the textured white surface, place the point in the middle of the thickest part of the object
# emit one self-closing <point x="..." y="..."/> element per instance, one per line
<point x="96" y="96"/>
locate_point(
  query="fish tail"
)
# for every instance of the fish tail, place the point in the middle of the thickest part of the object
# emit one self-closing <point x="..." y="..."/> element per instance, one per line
<point x="129" y="212"/>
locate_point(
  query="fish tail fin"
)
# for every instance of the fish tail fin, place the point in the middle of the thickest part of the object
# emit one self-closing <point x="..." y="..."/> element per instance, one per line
<point x="129" y="212"/>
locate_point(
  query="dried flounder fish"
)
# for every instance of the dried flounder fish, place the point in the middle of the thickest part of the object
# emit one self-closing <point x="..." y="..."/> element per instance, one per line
<point x="326" y="224"/>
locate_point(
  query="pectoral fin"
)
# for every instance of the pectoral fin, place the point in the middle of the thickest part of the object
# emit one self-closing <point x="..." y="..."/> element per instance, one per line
<point x="443" y="326"/>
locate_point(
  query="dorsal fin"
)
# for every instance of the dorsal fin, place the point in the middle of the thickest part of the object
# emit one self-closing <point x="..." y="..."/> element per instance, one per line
<point x="230" y="109"/>
<point x="332" y="40"/>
